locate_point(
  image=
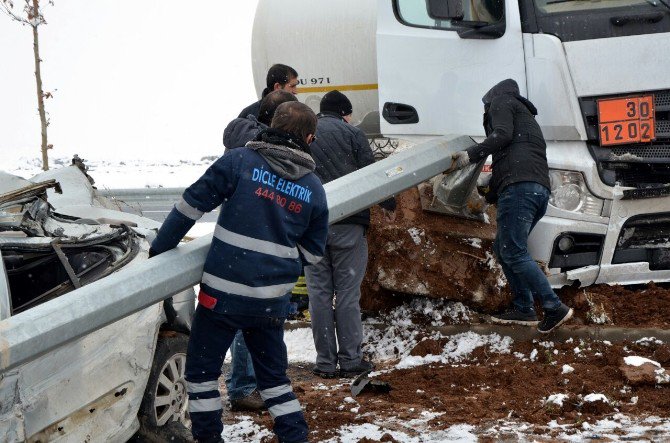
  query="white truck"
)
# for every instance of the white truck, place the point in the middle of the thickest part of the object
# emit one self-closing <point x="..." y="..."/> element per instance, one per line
<point x="597" y="70"/>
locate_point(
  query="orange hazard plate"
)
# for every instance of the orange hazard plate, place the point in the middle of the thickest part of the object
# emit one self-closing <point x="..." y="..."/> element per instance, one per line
<point x="626" y="120"/>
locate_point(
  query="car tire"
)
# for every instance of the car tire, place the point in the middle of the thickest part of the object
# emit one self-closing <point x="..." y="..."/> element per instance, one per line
<point x="165" y="401"/>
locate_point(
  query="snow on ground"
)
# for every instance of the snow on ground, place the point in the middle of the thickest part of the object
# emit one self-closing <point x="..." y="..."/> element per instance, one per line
<point x="124" y="173"/>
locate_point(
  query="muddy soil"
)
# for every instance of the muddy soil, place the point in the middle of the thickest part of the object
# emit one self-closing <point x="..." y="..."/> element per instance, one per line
<point x="488" y="388"/>
<point x="639" y="306"/>
<point x="431" y="255"/>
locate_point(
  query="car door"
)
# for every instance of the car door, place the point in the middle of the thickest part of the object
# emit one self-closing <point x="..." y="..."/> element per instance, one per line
<point x="433" y="72"/>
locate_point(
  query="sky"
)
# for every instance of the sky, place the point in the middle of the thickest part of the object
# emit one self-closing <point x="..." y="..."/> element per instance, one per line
<point x="150" y="79"/>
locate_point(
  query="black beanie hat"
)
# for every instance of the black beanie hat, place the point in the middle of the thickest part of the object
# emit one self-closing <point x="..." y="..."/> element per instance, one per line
<point x="337" y="103"/>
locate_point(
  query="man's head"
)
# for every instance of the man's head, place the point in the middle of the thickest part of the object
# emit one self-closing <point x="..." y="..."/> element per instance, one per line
<point x="297" y="119"/>
<point x="337" y="103"/>
<point x="270" y="102"/>
<point x="282" y="77"/>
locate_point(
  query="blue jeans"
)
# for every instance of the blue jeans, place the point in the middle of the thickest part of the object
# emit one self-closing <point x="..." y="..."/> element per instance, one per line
<point x="212" y="333"/>
<point x="241" y="378"/>
<point x="520" y="206"/>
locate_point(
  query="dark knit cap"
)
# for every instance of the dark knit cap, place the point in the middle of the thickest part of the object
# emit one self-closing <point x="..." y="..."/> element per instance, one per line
<point x="337" y="103"/>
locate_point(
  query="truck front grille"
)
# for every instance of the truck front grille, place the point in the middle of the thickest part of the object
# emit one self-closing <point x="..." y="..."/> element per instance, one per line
<point x="638" y="164"/>
<point x="645" y="239"/>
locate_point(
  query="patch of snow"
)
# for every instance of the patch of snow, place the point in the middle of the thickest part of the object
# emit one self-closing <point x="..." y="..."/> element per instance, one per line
<point x="459" y="347"/>
<point x="634" y="360"/>
<point x="416" y="235"/>
<point x="648" y="341"/>
<point x="596" y="397"/>
<point x="244" y="430"/>
<point x="474" y="242"/>
<point x="662" y="376"/>
<point x="555" y="399"/>
<point x="300" y="345"/>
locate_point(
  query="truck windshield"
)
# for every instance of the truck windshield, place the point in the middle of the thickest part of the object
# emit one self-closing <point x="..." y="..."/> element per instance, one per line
<point x="559" y="6"/>
<point x="572" y="20"/>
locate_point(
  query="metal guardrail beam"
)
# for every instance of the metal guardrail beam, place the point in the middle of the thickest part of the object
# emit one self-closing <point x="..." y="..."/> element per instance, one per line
<point x="44" y="328"/>
<point x="149" y="193"/>
<point x="375" y="183"/>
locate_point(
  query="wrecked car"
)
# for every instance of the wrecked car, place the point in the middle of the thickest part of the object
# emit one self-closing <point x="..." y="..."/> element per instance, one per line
<point x="56" y="235"/>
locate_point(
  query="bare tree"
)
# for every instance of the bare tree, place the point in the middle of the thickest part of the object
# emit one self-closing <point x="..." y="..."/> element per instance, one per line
<point x="31" y="15"/>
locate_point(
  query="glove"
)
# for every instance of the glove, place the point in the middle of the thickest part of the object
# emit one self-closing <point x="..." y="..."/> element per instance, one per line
<point x="459" y="160"/>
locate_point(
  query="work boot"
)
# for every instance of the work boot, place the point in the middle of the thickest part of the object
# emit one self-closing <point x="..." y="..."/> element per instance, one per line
<point x="361" y="367"/>
<point x="252" y="402"/>
<point x="553" y="318"/>
<point x="325" y="374"/>
<point x="513" y="316"/>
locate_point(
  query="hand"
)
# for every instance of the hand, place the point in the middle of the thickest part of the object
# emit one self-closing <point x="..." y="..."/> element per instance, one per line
<point x="389" y="216"/>
<point x="459" y="160"/>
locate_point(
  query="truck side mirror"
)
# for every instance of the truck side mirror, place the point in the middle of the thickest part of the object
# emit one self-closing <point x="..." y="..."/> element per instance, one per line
<point x="445" y="9"/>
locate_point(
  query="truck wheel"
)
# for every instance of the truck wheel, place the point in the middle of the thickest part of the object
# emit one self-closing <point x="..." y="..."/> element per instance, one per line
<point x="165" y="399"/>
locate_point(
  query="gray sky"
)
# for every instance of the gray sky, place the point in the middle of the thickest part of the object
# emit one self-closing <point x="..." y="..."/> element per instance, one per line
<point x="135" y="79"/>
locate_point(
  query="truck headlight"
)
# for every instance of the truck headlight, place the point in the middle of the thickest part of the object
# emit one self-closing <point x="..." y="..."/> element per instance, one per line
<point x="570" y="193"/>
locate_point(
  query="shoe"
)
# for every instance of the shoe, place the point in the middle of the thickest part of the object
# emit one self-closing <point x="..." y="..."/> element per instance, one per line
<point x="325" y="374"/>
<point x="513" y="316"/>
<point x="363" y="366"/>
<point x="553" y="318"/>
<point x="252" y="402"/>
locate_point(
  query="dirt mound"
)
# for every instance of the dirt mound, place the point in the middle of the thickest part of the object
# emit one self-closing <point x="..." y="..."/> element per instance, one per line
<point x="431" y="255"/>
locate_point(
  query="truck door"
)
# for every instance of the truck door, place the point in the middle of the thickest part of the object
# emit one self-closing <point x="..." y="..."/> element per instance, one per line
<point x="434" y="70"/>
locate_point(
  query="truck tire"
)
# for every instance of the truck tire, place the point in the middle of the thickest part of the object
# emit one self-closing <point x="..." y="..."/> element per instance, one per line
<point x="165" y="399"/>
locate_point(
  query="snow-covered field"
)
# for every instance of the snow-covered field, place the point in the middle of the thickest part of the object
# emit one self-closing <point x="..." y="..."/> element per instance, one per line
<point x="124" y="173"/>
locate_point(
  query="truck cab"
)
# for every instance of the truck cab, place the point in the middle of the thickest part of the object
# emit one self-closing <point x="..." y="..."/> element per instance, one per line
<point x="595" y="69"/>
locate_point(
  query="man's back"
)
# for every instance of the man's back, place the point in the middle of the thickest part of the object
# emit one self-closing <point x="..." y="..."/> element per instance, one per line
<point x="252" y="109"/>
<point x="264" y="222"/>
<point x="339" y="149"/>
<point x="240" y="131"/>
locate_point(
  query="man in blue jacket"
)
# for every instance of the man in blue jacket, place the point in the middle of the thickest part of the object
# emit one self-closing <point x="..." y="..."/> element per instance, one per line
<point x="241" y="379"/>
<point x="273" y="216"/>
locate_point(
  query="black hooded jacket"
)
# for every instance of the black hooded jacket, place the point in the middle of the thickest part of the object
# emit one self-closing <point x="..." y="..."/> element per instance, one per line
<point x="241" y="130"/>
<point x="340" y="149"/>
<point x="514" y="139"/>
<point x="255" y="107"/>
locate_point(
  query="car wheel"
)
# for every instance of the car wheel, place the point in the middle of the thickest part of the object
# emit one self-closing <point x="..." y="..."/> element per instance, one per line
<point x="165" y="398"/>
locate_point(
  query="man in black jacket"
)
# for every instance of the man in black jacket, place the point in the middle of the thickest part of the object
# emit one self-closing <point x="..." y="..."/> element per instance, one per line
<point x="520" y="186"/>
<point x="279" y="77"/>
<point x="244" y="129"/>
<point x="339" y="149"/>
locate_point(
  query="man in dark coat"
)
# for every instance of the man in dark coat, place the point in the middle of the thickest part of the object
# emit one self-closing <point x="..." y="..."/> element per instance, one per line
<point x="520" y="186"/>
<point x="274" y="216"/>
<point x="244" y="129"/>
<point x="340" y="149"/>
<point x="279" y="77"/>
